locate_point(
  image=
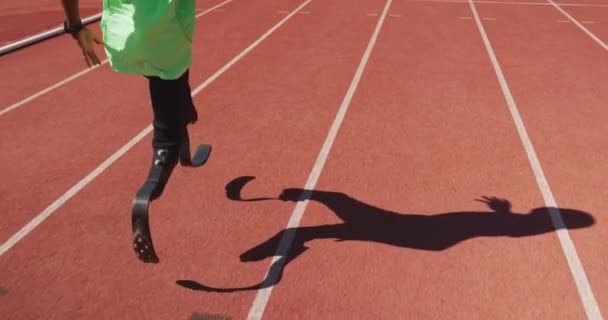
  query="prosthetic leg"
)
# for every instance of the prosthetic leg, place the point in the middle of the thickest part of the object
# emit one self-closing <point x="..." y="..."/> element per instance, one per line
<point x="165" y="159"/>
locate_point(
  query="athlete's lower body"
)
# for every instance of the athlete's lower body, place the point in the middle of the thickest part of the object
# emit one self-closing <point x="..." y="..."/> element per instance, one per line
<point x="173" y="110"/>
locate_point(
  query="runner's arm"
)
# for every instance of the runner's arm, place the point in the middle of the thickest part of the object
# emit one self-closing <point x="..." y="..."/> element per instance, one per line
<point x="85" y="37"/>
<point x="72" y="12"/>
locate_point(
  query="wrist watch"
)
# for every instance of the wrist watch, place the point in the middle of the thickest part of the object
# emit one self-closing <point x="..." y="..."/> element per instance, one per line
<point x="73" y="30"/>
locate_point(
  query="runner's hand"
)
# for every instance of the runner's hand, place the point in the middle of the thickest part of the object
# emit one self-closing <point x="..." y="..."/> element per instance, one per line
<point x="87" y="40"/>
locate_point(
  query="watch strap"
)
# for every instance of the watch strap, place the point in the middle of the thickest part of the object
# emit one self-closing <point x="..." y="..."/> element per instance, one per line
<point x="72" y="30"/>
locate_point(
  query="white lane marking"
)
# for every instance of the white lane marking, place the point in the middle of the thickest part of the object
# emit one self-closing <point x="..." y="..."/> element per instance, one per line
<point x="578" y="24"/>
<point x="251" y="47"/>
<point x="569" y="250"/>
<point x="70" y="193"/>
<point x="516" y="3"/>
<point x="276" y="267"/>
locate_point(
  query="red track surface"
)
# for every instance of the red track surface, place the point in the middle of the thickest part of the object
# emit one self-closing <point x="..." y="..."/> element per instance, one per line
<point x="428" y="131"/>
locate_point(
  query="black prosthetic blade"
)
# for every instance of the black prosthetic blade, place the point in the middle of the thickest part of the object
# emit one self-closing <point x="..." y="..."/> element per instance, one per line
<point x="142" y="237"/>
<point x="152" y="189"/>
<point x="200" y="156"/>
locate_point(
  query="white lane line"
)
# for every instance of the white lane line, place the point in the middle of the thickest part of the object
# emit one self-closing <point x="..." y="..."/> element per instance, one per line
<point x="213" y="8"/>
<point x="576" y="268"/>
<point x="108" y="162"/>
<point x="251" y="47"/>
<point x="70" y="193"/>
<point x="276" y="266"/>
<point x="578" y="24"/>
<point x="516" y="3"/>
<point x="53" y="87"/>
<point x="81" y="73"/>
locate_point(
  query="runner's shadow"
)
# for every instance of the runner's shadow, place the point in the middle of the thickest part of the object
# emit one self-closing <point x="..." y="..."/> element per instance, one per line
<point x="364" y="222"/>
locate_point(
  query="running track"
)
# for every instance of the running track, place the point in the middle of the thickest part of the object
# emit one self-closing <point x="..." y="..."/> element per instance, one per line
<point x="394" y="113"/>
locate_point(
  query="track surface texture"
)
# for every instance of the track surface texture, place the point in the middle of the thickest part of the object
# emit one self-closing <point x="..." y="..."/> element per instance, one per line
<point x="417" y="159"/>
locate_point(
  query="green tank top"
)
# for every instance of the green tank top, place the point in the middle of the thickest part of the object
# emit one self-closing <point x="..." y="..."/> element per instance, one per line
<point x="149" y="37"/>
